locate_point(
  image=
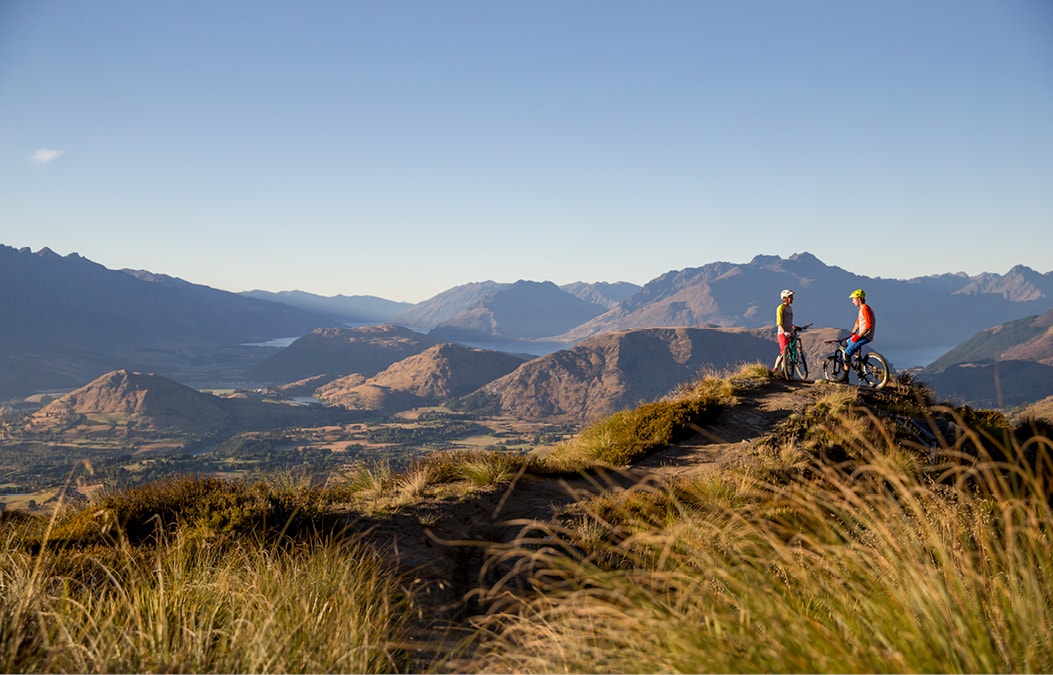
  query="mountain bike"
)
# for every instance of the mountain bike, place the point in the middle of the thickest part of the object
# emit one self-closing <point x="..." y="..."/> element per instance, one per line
<point x="792" y="362"/>
<point x="871" y="368"/>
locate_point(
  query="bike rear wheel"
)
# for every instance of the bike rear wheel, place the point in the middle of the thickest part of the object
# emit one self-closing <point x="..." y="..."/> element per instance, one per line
<point x="801" y="368"/>
<point x="874" y="371"/>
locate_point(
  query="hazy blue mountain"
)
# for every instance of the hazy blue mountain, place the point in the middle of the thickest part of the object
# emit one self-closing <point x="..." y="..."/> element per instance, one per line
<point x="446" y="305"/>
<point x="523" y="310"/>
<point x="345" y="309"/>
<point x="601" y="293"/>
<point x="45" y="297"/>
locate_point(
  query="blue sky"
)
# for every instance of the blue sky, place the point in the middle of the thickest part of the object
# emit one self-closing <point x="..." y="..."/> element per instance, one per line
<point x="400" y="148"/>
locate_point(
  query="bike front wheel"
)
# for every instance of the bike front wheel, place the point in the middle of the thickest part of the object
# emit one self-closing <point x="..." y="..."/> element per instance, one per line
<point x="832" y="368"/>
<point x="874" y="372"/>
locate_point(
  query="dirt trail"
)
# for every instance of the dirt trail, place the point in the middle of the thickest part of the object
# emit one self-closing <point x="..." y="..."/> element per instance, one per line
<point x="754" y="414"/>
<point x="445" y="550"/>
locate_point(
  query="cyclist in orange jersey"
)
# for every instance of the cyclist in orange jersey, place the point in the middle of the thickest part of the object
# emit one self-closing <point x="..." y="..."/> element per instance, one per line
<point x="862" y="331"/>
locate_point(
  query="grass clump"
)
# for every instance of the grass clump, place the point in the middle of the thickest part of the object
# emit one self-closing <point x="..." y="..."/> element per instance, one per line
<point x="184" y="605"/>
<point x="377" y="489"/>
<point x="198" y="575"/>
<point x="210" y="506"/>
<point x="477" y="467"/>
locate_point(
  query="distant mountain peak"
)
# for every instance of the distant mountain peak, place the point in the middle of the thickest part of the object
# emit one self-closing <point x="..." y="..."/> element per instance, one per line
<point x="762" y="260"/>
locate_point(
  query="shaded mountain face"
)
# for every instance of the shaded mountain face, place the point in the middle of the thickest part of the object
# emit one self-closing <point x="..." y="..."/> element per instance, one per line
<point x="67" y="320"/>
<point x="71" y="301"/>
<point x="997" y="384"/>
<point x="446" y="305"/>
<point x="524" y="310"/>
<point x="617" y="371"/>
<point x="336" y="352"/>
<point x="343" y="309"/>
<point x="435" y="375"/>
<point x="926" y="311"/>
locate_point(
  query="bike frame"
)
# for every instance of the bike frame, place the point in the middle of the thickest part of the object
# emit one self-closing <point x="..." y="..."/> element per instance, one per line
<point x="860" y="364"/>
<point x="794" y="363"/>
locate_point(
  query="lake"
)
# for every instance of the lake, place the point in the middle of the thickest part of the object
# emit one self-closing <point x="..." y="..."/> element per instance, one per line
<point x="911" y="357"/>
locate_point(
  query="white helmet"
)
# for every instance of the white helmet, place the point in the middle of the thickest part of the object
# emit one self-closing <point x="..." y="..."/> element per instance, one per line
<point x="786" y="294"/>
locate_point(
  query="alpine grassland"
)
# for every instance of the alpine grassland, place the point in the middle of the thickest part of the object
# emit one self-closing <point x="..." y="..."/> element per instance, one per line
<point x="869" y="531"/>
<point x="209" y="589"/>
<point x="878" y="553"/>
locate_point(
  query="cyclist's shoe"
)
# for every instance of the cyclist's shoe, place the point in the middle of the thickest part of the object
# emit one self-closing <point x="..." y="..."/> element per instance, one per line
<point x="842" y="378"/>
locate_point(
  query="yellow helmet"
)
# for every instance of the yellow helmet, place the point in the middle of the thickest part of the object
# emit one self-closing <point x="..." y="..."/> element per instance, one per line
<point x="858" y="293"/>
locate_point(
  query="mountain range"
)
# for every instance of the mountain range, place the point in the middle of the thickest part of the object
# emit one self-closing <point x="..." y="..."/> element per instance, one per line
<point x="937" y="310"/>
<point x="69" y="320"/>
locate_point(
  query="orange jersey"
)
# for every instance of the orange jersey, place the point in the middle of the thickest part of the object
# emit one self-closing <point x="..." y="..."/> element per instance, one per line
<point x="864" y="322"/>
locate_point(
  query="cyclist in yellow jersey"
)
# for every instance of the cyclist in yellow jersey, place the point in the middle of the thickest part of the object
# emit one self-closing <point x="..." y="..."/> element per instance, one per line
<point x="784" y="325"/>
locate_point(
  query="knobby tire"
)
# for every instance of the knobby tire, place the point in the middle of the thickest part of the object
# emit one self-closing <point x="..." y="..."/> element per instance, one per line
<point x="876" y="368"/>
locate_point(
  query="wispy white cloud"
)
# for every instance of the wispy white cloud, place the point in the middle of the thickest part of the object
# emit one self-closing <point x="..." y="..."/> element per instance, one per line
<point x="44" y="156"/>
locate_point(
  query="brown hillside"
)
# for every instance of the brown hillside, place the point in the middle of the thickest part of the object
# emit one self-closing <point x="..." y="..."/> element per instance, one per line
<point x="369" y="396"/>
<point x="1040" y="409"/>
<point x="447" y="370"/>
<point x="156" y="402"/>
<point x="436" y="374"/>
<point x="619" y="370"/>
<point x="149" y="397"/>
<point x="1038" y="348"/>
